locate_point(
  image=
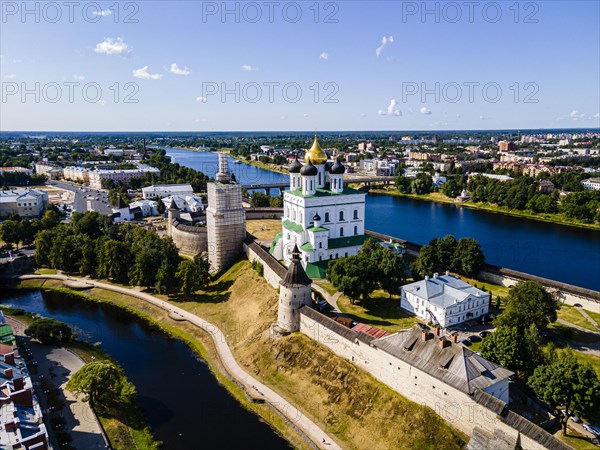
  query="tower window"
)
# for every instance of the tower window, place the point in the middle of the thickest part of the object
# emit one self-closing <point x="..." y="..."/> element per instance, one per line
<point x="356" y="213"/>
<point x="326" y="217"/>
<point x="355" y="230"/>
<point x="320" y="245"/>
<point x="341" y="231"/>
<point x="341" y="215"/>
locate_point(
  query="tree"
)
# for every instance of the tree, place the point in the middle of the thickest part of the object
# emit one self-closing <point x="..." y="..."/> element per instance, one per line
<point x="50" y="219"/>
<point x="49" y="331"/>
<point x="515" y="349"/>
<point x="392" y="271"/>
<point x="204" y="269"/>
<point x="426" y="262"/>
<point x="99" y="381"/>
<point x="189" y="277"/>
<point x="528" y="303"/>
<point x="566" y="383"/>
<point x="468" y="257"/>
<point x="114" y="260"/>
<point x="43" y="245"/>
<point x="348" y="275"/>
<point x="10" y="232"/>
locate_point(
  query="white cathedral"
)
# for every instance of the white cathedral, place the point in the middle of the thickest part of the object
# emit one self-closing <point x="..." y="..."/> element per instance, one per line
<point x="324" y="218"/>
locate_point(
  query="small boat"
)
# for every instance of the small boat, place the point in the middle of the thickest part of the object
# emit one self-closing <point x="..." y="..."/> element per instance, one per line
<point x="237" y="161"/>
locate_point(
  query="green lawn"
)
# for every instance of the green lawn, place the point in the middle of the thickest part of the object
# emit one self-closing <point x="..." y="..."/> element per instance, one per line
<point x="570" y="314"/>
<point x="495" y="289"/>
<point x="378" y="311"/>
<point x="328" y="287"/>
<point x="575" y="440"/>
<point x="594" y="315"/>
<point x="571" y="334"/>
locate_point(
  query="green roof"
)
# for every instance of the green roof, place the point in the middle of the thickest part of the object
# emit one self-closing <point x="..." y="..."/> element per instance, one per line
<point x="275" y="241"/>
<point x="350" y="241"/>
<point x="307" y="246"/>
<point x="293" y="226"/>
<point x="5" y="330"/>
<point x="326" y="192"/>
<point x="317" y="229"/>
<point x="316" y="269"/>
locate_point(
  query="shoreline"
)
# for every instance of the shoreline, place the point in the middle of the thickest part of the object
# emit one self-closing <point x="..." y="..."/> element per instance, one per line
<point x="281" y="415"/>
<point x="491" y="209"/>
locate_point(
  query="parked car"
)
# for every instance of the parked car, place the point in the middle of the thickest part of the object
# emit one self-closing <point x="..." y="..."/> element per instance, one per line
<point x="474" y="338"/>
<point x="484" y="334"/>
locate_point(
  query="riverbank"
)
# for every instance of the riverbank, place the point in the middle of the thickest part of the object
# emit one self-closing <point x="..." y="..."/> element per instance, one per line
<point x="350" y="404"/>
<point x="438" y="197"/>
<point x="261" y="165"/>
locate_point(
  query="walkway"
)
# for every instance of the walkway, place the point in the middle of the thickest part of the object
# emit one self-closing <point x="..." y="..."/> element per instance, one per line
<point x="57" y="365"/>
<point x="331" y="299"/>
<point x="251" y="385"/>
<point x="584" y="313"/>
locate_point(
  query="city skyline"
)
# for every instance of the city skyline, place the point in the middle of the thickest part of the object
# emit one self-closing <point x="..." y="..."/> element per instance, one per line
<point x="292" y="66"/>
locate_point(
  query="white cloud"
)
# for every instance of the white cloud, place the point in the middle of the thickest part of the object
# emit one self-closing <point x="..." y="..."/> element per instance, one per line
<point x="103" y="12"/>
<point x="10" y="76"/>
<point x="248" y="68"/>
<point x="79" y="77"/>
<point x="597" y="115"/>
<point x="176" y="70"/>
<point x="363" y="115"/>
<point x="305" y="115"/>
<point x="576" y="115"/>
<point x="201" y="99"/>
<point x="384" y="42"/>
<point x="144" y="75"/>
<point x="324" y="56"/>
<point x="481" y="117"/>
<point x="112" y="46"/>
<point x="391" y="109"/>
<point x="425" y="111"/>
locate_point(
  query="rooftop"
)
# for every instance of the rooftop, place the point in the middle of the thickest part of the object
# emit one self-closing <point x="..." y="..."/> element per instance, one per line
<point x="326" y="193"/>
<point x="350" y="241"/>
<point x="443" y="290"/>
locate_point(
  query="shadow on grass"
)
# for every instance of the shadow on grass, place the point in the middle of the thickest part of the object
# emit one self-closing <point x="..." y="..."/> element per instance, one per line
<point x="215" y="293"/>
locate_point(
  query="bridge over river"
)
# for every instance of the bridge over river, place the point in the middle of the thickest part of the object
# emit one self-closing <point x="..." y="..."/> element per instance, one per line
<point x="348" y="179"/>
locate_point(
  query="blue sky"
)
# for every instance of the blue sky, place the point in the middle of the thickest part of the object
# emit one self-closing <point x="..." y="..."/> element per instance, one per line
<point x="348" y="65"/>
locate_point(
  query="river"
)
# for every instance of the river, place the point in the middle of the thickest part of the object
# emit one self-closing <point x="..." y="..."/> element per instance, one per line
<point x="559" y="252"/>
<point x="184" y="404"/>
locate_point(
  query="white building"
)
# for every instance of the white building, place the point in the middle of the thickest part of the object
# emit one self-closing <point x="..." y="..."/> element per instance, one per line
<point x="76" y="173"/>
<point x="320" y="215"/>
<point x="135" y="210"/>
<point x="166" y="190"/>
<point x="445" y="300"/>
<point x="97" y="176"/>
<point x="113" y="151"/>
<point x="24" y="202"/>
<point x="185" y="203"/>
<point x="592" y="184"/>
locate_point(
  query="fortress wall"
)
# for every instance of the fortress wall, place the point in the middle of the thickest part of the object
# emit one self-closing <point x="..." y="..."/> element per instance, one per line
<point x="273" y="272"/>
<point x="188" y="239"/>
<point x="460" y="410"/>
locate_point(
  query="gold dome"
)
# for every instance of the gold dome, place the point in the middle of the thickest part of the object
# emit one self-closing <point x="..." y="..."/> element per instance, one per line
<point x="316" y="155"/>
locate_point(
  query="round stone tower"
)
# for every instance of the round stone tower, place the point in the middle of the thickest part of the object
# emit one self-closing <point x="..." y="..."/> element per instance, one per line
<point x="294" y="293"/>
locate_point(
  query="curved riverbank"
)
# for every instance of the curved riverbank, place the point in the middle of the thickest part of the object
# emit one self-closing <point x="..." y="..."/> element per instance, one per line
<point x="437" y="197"/>
<point x="245" y="388"/>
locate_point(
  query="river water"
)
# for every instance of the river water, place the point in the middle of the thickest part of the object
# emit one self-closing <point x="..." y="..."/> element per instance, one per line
<point x="559" y="252"/>
<point x="184" y="404"/>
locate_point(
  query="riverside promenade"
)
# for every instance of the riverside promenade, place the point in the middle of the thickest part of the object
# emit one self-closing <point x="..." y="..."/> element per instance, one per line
<point x="251" y="385"/>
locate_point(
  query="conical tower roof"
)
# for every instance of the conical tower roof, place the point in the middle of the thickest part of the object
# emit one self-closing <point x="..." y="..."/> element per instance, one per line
<point x="296" y="275"/>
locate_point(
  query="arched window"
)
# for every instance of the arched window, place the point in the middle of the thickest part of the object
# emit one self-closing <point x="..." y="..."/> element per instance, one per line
<point x="326" y="217"/>
<point x="355" y="230"/>
<point x="341" y="231"/>
<point x="356" y="213"/>
<point x="341" y="215"/>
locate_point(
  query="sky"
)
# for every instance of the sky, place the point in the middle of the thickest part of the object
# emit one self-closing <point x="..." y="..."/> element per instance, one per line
<point x="305" y="65"/>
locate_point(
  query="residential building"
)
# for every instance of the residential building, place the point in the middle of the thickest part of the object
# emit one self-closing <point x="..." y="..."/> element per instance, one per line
<point x="27" y="203"/>
<point x="591" y="184"/>
<point x="445" y="300"/>
<point x="185" y="203"/>
<point x="506" y="146"/>
<point x="76" y="173"/>
<point x="21" y="420"/>
<point x="15" y="169"/>
<point x="492" y="176"/>
<point x="124" y="175"/>
<point x="166" y="190"/>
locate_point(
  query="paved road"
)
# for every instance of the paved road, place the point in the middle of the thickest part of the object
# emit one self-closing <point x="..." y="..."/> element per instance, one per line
<point x="86" y="199"/>
<point x="251" y="385"/>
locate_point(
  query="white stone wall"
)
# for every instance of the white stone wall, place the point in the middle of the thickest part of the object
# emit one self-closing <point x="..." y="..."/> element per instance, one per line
<point x="269" y="275"/>
<point x="454" y="406"/>
<point x="290" y="300"/>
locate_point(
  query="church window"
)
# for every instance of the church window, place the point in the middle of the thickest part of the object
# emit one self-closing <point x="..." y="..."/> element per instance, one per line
<point x="356" y="213"/>
<point x="341" y="215"/>
<point x="341" y="231"/>
<point x="355" y="230"/>
<point x="346" y="255"/>
<point x="326" y="217"/>
<point x="319" y="177"/>
<point x="320" y="245"/>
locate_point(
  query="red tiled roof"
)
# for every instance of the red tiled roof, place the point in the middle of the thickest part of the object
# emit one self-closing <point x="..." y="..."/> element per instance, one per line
<point x="372" y="331"/>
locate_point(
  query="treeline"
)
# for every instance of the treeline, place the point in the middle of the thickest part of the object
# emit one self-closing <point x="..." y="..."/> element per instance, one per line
<point x="462" y="256"/>
<point x="92" y="245"/>
<point x="8" y="179"/>
<point x="260" y="200"/>
<point x="375" y="267"/>
<point x="523" y="194"/>
<point x="16" y="230"/>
